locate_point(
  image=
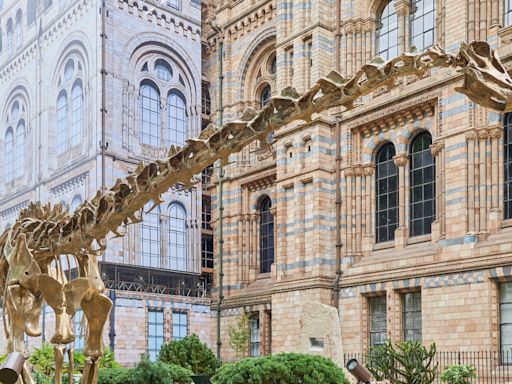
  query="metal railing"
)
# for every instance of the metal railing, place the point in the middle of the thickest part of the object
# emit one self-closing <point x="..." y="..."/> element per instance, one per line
<point x="492" y="367"/>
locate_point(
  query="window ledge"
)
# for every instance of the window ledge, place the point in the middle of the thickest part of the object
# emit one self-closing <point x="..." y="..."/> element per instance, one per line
<point x="385" y="245"/>
<point x="506" y="34"/>
<point x="420" y="239"/>
<point x="262" y="276"/>
<point x="506" y="223"/>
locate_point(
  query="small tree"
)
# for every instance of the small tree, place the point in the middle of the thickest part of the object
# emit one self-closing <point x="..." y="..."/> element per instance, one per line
<point x="190" y="353"/>
<point x="408" y="363"/>
<point x="240" y="335"/>
<point x="459" y="374"/>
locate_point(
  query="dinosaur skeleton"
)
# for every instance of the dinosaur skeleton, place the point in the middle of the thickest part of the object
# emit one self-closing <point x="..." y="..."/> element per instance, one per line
<point x="31" y="272"/>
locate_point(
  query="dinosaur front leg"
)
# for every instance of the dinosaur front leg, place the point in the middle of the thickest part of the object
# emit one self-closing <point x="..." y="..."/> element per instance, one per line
<point x="91" y="367"/>
<point x="96" y="310"/>
<point x="58" y="351"/>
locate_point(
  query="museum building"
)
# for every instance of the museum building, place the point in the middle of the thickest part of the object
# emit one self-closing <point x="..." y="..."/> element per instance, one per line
<point x="398" y="213"/>
<point x="88" y="89"/>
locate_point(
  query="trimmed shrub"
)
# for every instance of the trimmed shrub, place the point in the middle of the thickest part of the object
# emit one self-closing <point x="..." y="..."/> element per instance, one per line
<point x="311" y="369"/>
<point x="190" y="353"/>
<point x="160" y="373"/>
<point x="459" y="374"/>
<point x="285" y="368"/>
<point x="115" y="376"/>
<point x="253" y="371"/>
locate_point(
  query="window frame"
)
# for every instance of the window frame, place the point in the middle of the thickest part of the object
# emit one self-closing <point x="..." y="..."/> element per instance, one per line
<point x="254" y="335"/>
<point x="414" y="310"/>
<point x="380" y="331"/>
<point x="507" y="167"/>
<point x="150" y="130"/>
<point x="507" y="14"/>
<point x="179" y="315"/>
<point x="390" y="228"/>
<point x="177" y="117"/>
<point x="153" y="228"/>
<point x="20" y="149"/>
<point x="158" y="338"/>
<point x="267" y="241"/>
<point x="395" y="45"/>
<point x="9" y="157"/>
<point x="422" y="184"/>
<point x="414" y="16"/>
<point x="177" y="253"/>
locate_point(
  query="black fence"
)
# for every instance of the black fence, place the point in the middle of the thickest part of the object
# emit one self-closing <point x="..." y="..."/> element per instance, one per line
<point x="492" y="367"/>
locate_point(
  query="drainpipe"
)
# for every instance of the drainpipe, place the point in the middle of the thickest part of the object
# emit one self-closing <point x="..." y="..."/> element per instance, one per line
<point x="221" y="193"/>
<point x="339" y="273"/>
<point x="103" y="111"/>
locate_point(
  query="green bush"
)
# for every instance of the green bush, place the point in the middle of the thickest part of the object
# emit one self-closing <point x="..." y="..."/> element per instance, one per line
<point x="459" y="374"/>
<point x="43" y="360"/>
<point x="253" y="371"/>
<point x="285" y="368"/>
<point x="40" y="378"/>
<point x="147" y="372"/>
<point x="311" y="369"/>
<point x="407" y="363"/>
<point x="115" y="376"/>
<point x="190" y="353"/>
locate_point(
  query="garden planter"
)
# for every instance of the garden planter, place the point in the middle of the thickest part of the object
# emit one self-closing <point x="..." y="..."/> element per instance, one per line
<point x="201" y="379"/>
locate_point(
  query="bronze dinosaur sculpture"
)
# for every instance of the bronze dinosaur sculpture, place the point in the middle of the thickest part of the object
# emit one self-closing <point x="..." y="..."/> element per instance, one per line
<point x="31" y="273"/>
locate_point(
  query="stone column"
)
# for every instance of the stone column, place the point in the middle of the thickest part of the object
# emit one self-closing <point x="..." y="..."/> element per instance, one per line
<point x="401" y="235"/>
<point x="495" y="213"/>
<point x="471" y="24"/>
<point x="402" y="8"/>
<point x="358" y="173"/>
<point x="482" y="138"/>
<point x="350" y="38"/>
<point x="369" y="193"/>
<point x="471" y="141"/>
<point x="495" y="13"/>
<point x="240" y="250"/>
<point x="349" y="172"/>
<point x="438" y="226"/>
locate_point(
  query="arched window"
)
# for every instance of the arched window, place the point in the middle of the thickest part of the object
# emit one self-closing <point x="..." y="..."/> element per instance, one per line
<point x="387" y="33"/>
<point x="206" y="98"/>
<point x="272" y="64"/>
<point x="387" y="194"/>
<point x="9" y="155"/>
<point x="177" y="237"/>
<point x="69" y="70"/>
<point x="31" y="11"/>
<point x="265" y="95"/>
<point x="19" y="29"/>
<point x="163" y="70"/>
<point x="149" y="115"/>
<point x="266" y="235"/>
<point x="422" y="184"/>
<point x="508" y="13"/>
<point x="77" y="114"/>
<point x="75" y="203"/>
<point x="20" y="148"/>
<point x="61" y="120"/>
<point x="150" y="237"/>
<point x="10" y="37"/>
<point x="507" y="142"/>
<point x="423" y="23"/>
<point x="177" y="118"/>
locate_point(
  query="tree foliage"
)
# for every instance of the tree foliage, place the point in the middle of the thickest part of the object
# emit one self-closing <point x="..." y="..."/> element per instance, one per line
<point x="408" y="363"/>
<point x="190" y="353"/>
<point x="240" y="335"/>
<point x="286" y="368"/>
<point x="459" y="374"/>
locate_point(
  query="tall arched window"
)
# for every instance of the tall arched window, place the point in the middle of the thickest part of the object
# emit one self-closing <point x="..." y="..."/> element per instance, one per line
<point x="10" y="37"/>
<point x="77" y="113"/>
<point x="387" y="32"/>
<point x="61" y="120"/>
<point x="20" y="148"/>
<point x="266" y="235"/>
<point x="9" y="155"/>
<point x="31" y="11"/>
<point x="19" y="29"/>
<point x="150" y="237"/>
<point x="423" y="16"/>
<point x="422" y="184"/>
<point x="508" y="14"/>
<point x="77" y="200"/>
<point x="387" y="194"/>
<point x="206" y="99"/>
<point x="507" y="142"/>
<point x="150" y="115"/>
<point x="177" y="237"/>
<point x="265" y="96"/>
<point x="177" y="118"/>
